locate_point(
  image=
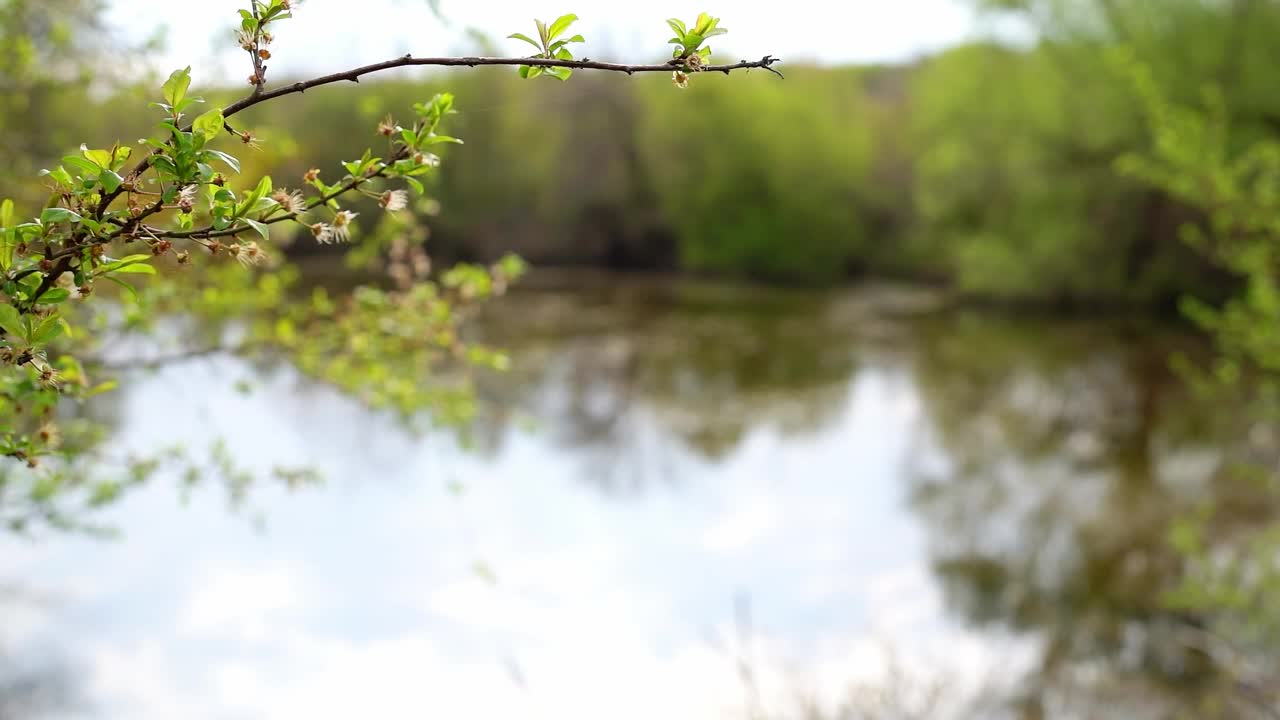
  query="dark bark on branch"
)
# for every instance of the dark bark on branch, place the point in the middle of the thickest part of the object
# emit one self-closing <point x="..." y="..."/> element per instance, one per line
<point x="63" y="258"/>
<point x="260" y="96"/>
<point x="354" y="75"/>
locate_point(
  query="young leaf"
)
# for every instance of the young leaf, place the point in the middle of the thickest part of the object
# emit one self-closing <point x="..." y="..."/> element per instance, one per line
<point x="561" y="24"/>
<point x="53" y="296"/>
<point x="47" y="330"/>
<point x="138" y="268"/>
<point x="120" y="155"/>
<point x="100" y="158"/>
<point x="526" y="38"/>
<point x="209" y="124"/>
<point x="11" y="321"/>
<point x="175" y="88"/>
<point x="231" y="162"/>
<point x="263" y="229"/>
<point x="6" y="213"/>
<point x="122" y="263"/>
<point x="80" y="165"/>
<point x="110" y="181"/>
<point x="58" y="214"/>
<point x="132" y="290"/>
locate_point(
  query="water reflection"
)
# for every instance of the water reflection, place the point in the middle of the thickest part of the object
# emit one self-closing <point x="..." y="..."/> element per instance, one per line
<point x="1066" y="454"/>
<point x="619" y="373"/>
<point x="32" y="685"/>
<point x="984" y="494"/>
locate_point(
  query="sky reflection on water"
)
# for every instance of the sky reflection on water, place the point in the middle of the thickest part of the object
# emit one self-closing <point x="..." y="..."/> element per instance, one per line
<point x="809" y="544"/>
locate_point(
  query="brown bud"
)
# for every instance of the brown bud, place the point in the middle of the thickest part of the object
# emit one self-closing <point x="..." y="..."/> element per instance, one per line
<point x="183" y="257"/>
<point x="311" y="175"/>
<point x="219" y="180"/>
<point x="161" y="247"/>
<point x="264" y="54"/>
<point x="85" y="290"/>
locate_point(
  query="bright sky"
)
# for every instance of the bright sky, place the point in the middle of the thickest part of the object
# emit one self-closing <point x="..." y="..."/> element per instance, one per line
<point x="335" y="34"/>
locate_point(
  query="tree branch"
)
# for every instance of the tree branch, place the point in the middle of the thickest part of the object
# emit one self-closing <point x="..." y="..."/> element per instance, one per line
<point x="352" y="184"/>
<point x="354" y="75"/>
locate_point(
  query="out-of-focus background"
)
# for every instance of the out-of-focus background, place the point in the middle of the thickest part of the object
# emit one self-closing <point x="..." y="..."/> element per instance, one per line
<point x="848" y="395"/>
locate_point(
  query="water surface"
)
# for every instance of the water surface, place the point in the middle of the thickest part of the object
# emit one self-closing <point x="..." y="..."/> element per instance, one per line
<point x="697" y="502"/>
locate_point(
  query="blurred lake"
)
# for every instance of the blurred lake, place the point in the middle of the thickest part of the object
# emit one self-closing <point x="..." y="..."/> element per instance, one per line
<point x="695" y="501"/>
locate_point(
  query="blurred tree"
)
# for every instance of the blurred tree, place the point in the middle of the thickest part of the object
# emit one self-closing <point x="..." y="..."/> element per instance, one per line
<point x="54" y="56"/>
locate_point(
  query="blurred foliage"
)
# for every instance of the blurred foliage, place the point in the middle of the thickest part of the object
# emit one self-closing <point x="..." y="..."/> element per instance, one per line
<point x="1201" y="155"/>
<point x="990" y="168"/>
<point x="396" y="343"/>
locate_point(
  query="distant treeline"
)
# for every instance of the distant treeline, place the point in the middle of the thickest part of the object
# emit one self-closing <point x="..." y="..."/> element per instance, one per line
<point x="986" y="168"/>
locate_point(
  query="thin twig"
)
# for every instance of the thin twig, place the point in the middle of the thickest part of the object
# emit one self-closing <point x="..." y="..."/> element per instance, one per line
<point x="259" y="96"/>
<point x="355" y="74"/>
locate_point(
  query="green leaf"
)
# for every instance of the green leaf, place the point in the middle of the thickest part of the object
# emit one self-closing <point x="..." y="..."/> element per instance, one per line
<point x="6" y="213"/>
<point x="230" y="161"/>
<point x="125" y="262"/>
<point x="559" y="73"/>
<point x="80" y="165"/>
<point x="262" y="190"/>
<point x="529" y="72"/>
<point x="8" y="242"/>
<point x="576" y="39"/>
<point x="11" y="321"/>
<point x="132" y="290"/>
<point x="61" y="175"/>
<point x="53" y="296"/>
<point x="175" y="88"/>
<point x="47" y="330"/>
<point x="542" y="31"/>
<point x="263" y="229"/>
<point x="208" y="125"/>
<point x="100" y="158"/>
<point x="705" y="23"/>
<point x="110" y="181"/>
<point x="58" y="214"/>
<point x="561" y="24"/>
<point x="526" y="38"/>
<point x="438" y="139"/>
<point x="109" y="385"/>
<point x="120" y="155"/>
<point x="678" y="26"/>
